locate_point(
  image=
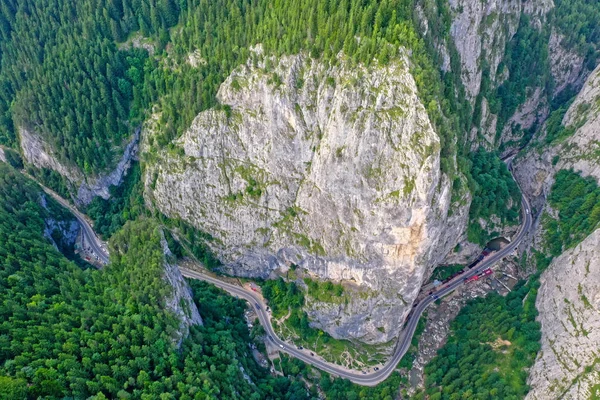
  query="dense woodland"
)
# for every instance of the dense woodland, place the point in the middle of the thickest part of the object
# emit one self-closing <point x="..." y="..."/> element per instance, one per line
<point x="492" y="343"/>
<point x="69" y="332"/>
<point x="495" y="193"/>
<point x="68" y="70"/>
<point x="126" y="203"/>
<point x="577" y="201"/>
<point x="97" y="86"/>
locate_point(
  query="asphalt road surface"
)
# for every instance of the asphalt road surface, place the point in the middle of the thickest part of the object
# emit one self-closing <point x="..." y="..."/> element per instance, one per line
<point x="98" y="247"/>
<point x="372" y="377"/>
<point x="367" y="378"/>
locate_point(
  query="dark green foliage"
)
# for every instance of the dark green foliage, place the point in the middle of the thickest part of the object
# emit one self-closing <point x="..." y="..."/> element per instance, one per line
<point x="67" y="332"/>
<point x="125" y="203"/>
<point x="222" y="344"/>
<point x="63" y="76"/>
<point x="342" y="389"/>
<point x="579" y="20"/>
<point x="528" y="66"/>
<point x="191" y="240"/>
<point x="50" y="179"/>
<point x="577" y="201"/>
<point x="13" y="158"/>
<point x="493" y="188"/>
<point x="469" y="367"/>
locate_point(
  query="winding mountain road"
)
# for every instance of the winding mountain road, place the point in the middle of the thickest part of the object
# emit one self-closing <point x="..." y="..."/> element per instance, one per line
<point x="373" y="377"/>
<point x="370" y="378"/>
<point x="98" y="246"/>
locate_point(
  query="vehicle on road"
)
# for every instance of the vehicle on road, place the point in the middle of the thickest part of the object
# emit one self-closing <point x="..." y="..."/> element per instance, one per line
<point x="257" y="306"/>
<point x="271" y="338"/>
<point x="300" y="347"/>
<point x="312" y="354"/>
<point x="376" y="368"/>
<point x="281" y="346"/>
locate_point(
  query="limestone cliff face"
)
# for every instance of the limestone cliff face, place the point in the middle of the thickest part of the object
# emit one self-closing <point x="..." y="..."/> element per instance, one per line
<point x="479" y="33"/>
<point x="181" y="301"/>
<point x="568" y="364"/>
<point x="39" y="153"/>
<point x="333" y="168"/>
<point x="581" y="151"/>
<point x="568" y="299"/>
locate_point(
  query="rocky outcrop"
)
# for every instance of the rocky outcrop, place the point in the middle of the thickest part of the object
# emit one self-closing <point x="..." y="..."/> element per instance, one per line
<point x="481" y="31"/>
<point x="181" y="301"/>
<point x="568" y="365"/>
<point x="39" y="153"/>
<point x="580" y="151"/>
<point x="566" y="65"/>
<point x="568" y="298"/>
<point x="333" y="168"/>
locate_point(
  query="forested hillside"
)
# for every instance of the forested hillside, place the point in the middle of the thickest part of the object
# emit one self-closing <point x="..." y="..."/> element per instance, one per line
<point x="94" y="94"/>
<point x="68" y="332"/>
<point x="63" y="76"/>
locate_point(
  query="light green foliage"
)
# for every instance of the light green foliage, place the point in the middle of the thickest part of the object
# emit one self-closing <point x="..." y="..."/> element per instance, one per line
<point x="577" y="201"/>
<point x="327" y="291"/>
<point x="474" y="363"/>
<point x="286" y="300"/>
<point x="445" y="271"/>
<point x="555" y="131"/>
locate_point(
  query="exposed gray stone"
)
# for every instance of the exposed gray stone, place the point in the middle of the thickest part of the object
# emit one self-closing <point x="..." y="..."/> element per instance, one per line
<point x="181" y="302"/>
<point x="567" y="366"/>
<point x="39" y="153"/>
<point x="334" y="168"/>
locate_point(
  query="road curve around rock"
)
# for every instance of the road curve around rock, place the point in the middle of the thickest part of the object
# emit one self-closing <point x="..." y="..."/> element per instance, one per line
<point x="371" y="378"/>
<point x="96" y="244"/>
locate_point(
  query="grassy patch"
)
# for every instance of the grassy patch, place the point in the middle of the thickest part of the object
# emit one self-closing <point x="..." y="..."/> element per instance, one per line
<point x="286" y="300"/>
<point x="327" y="292"/>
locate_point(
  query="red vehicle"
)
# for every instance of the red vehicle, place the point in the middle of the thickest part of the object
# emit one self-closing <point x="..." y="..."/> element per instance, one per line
<point x="471" y="279"/>
<point x="487" y="272"/>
